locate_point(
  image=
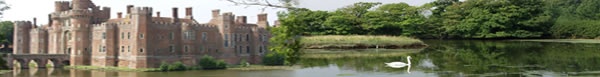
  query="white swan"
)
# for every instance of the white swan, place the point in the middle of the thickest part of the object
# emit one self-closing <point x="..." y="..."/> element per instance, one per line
<point x="399" y="64"/>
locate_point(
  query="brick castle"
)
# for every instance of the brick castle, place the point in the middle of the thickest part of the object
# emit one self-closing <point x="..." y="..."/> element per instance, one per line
<point x="140" y="38"/>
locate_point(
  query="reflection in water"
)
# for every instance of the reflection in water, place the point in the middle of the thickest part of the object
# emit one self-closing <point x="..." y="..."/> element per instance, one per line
<point x="442" y="58"/>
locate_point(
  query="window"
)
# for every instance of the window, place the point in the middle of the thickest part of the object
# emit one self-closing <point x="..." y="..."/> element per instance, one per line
<point x="172" y="48"/>
<point x="226" y="42"/>
<point x="141" y="50"/>
<point x="204" y="36"/>
<point x="264" y="37"/>
<point x="122" y="35"/>
<point x="172" y="35"/>
<point x="247" y="49"/>
<point x="103" y="35"/>
<point x="122" y="48"/>
<point x="128" y="49"/>
<point x="128" y="35"/>
<point x="141" y="36"/>
<point x="185" y="48"/>
<point x="247" y="37"/>
<point x="202" y="48"/>
<point x="68" y="36"/>
<point x="103" y="48"/>
<point x="260" y="49"/>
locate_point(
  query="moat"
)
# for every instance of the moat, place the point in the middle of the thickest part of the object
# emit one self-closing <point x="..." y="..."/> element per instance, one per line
<point x="442" y="58"/>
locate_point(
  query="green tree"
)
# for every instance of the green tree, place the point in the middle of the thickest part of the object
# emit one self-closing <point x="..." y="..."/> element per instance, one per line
<point x="497" y="19"/>
<point x="6" y="31"/>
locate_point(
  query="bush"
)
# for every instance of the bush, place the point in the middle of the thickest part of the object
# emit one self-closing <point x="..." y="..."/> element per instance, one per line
<point x="274" y="59"/>
<point x="177" y="66"/>
<point x="3" y="64"/>
<point x="573" y="28"/>
<point x="208" y="62"/>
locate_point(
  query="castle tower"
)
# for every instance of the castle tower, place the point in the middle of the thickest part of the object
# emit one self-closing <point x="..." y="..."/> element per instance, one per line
<point x="21" y="39"/>
<point x="141" y="18"/>
<point x="79" y="46"/>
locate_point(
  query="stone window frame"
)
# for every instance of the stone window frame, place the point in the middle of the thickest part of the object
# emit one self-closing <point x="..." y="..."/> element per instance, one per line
<point x="103" y="35"/>
<point x="141" y="35"/>
<point x="204" y="36"/>
<point x="122" y="35"/>
<point x="247" y="49"/>
<point x="226" y="40"/>
<point x="186" y="48"/>
<point x="172" y="36"/>
<point x="128" y="48"/>
<point x="171" y="48"/>
<point x="247" y="37"/>
<point x="128" y="35"/>
<point x="122" y="48"/>
<point x="141" y="50"/>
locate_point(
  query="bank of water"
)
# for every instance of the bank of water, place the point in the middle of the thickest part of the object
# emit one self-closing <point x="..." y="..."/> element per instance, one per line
<point x="445" y="58"/>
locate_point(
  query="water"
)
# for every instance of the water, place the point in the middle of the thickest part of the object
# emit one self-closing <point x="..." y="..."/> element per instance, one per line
<point x="445" y="58"/>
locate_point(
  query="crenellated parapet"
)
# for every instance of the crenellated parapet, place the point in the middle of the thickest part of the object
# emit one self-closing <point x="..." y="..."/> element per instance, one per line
<point x="61" y="6"/>
<point x="104" y="26"/>
<point x="141" y="10"/>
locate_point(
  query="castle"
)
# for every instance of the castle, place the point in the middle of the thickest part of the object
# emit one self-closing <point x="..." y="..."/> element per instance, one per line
<point x="139" y="39"/>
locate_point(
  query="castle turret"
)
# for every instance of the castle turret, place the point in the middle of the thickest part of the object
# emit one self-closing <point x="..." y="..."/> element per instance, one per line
<point x="81" y="18"/>
<point x="141" y="18"/>
<point x="22" y="37"/>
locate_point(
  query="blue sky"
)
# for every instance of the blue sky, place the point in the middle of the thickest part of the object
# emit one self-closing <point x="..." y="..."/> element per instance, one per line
<point x="28" y="9"/>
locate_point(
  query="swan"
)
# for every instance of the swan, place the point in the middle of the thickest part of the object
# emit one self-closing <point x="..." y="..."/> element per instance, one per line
<point x="399" y="64"/>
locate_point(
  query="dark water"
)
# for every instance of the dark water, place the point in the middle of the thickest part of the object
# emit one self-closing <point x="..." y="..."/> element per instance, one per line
<point x="443" y="58"/>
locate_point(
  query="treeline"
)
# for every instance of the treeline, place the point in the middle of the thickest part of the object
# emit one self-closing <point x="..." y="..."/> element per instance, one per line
<point x="454" y="19"/>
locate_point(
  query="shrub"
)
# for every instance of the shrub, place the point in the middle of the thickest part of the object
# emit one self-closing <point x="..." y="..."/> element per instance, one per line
<point x="177" y="66"/>
<point x="208" y="62"/>
<point x="164" y="66"/>
<point x="274" y="59"/>
<point x="574" y="28"/>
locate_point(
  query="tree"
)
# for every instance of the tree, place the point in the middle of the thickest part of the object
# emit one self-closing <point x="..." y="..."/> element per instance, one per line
<point x="497" y="19"/>
<point x="6" y="30"/>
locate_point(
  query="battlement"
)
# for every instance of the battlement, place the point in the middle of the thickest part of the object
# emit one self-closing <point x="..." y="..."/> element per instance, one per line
<point x="103" y="26"/>
<point x="141" y="10"/>
<point x="61" y="6"/>
<point x="23" y="23"/>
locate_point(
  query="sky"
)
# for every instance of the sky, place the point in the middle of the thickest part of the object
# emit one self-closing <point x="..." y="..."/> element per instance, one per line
<point x="28" y="9"/>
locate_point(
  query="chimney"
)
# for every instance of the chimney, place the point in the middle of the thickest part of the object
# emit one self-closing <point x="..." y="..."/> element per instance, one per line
<point x="188" y="11"/>
<point x="215" y="13"/>
<point x="129" y="8"/>
<point x="119" y="14"/>
<point x="34" y="22"/>
<point x="49" y="19"/>
<point x="241" y="19"/>
<point x="157" y="14"/>
<point x="262" y="17"/>
<point x="175" y="17"/>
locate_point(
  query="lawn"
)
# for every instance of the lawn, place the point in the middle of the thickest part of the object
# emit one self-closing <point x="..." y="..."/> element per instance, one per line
<point x="360" y="42"/>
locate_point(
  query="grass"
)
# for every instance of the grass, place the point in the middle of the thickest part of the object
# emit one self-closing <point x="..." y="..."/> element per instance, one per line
<point x="112" y="68"/>
<point x="261" y="67"/>
<point x="360" y="42"/>
<point x="4" y="71"/>
<point x="563" y="40"/>
<point x="332" y="54"/>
